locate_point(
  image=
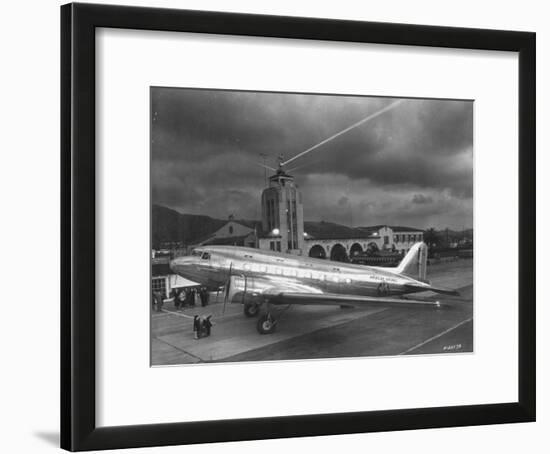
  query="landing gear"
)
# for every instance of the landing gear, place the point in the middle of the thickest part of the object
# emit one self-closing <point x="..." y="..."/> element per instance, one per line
<point x="266" y="324"/>
<point x="251" y="310"/>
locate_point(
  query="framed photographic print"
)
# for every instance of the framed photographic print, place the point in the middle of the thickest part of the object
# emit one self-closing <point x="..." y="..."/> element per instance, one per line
<point x="328" y="222"/>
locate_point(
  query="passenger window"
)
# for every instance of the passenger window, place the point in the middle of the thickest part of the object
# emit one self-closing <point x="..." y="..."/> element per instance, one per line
<point x="205" y="256"/>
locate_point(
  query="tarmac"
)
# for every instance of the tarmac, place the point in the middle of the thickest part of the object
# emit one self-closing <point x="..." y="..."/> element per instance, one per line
<point x="314" y="332"/>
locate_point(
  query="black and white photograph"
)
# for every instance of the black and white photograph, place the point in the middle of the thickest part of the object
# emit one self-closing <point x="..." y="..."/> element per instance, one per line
<point x="294" y="226"/>
<point x="275" y="226"/>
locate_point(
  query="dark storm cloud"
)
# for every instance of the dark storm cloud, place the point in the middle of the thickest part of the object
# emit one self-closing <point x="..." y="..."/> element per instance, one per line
<point x="206" y="145"/>
<point x="421" y="199"/>
<point x="343" y="201"/>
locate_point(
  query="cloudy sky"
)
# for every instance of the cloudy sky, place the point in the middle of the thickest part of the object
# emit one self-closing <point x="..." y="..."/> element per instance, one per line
<point x="411" y="165"/>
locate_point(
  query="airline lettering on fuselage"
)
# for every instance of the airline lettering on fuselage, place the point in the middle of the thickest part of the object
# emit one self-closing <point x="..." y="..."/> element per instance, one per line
<point x="382" y="278"/>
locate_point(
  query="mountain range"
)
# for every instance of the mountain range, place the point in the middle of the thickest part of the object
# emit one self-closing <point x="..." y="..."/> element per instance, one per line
<point x="169" y="225"/>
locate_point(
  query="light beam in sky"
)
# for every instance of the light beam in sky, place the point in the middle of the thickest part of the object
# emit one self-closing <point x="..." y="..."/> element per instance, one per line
<point x="343" y="131"/>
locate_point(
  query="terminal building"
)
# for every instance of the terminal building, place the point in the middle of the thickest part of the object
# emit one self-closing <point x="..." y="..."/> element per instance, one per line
<point x="283" y="229"/>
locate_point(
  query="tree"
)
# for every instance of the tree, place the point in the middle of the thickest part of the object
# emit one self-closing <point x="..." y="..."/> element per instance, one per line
<point x="372" y="249"/>
<point x="431" y="238"/>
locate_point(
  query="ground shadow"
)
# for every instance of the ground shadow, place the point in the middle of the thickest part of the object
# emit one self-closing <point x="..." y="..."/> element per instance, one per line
<point x="51" y="438"/>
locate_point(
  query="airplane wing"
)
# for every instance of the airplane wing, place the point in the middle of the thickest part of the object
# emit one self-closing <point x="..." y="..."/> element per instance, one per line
<point x="431" y="288"/>
<point x="333" y="299"/>
<point x="283" y="291"/>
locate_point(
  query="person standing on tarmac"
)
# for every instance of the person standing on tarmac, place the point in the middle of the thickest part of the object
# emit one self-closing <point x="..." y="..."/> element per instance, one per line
<point x="202" y="294"/>
<point x="182" y="298"/>
<point x="157" y="297"/>
<point x="196" y="326"/>
<point x="174" y="298"/>
<point x="207" y="324"/>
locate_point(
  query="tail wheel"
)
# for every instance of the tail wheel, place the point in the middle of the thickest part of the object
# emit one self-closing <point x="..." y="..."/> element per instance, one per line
<point x="251" y="310"/>
<point x="266" y="324"/>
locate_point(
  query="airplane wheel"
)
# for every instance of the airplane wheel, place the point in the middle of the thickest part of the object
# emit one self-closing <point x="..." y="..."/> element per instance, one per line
<point x="251" y="310"/>
<point x="266" y="324"/>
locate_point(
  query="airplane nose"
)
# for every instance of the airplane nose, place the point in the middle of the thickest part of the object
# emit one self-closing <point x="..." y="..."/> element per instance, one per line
<point x="180" y="263"/>
<point x="172" y="265"/>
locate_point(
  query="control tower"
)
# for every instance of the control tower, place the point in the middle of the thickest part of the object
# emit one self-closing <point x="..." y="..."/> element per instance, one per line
<point x="283" y="213"/>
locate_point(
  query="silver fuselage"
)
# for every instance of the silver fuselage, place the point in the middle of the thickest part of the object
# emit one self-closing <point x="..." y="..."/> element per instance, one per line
<point x="259" y="270"/>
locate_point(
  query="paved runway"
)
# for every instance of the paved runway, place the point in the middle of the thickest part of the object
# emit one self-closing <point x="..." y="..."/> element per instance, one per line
<point x="308" y="332"/>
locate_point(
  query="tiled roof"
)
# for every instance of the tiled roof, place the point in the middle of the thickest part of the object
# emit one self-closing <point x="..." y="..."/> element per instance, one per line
<point x="405" y="229"/>
<point x="395" y="228"/>
<point x="328" y="230"/>
<point x="249" y="224"/>
<point x="229" y="241"/>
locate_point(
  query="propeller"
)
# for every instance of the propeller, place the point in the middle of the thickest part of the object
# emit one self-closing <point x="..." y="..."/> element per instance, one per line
<point x="227" y="287"/>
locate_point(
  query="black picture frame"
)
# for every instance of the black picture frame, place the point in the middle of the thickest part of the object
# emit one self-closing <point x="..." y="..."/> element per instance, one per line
<point x="78" y="204"/>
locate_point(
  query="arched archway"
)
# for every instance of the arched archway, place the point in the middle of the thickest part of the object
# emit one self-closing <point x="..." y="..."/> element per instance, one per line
<point x="318" y="252"/>
<point x="355" y="249"/>
<point x="338" y="253"/>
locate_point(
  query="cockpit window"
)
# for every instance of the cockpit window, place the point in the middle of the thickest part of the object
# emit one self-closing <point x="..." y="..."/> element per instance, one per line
<point x="196" y="252"/>
<point x="205" y="255"/>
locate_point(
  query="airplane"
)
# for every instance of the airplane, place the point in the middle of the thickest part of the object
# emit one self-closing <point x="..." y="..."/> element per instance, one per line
<point x="267" y="279"/>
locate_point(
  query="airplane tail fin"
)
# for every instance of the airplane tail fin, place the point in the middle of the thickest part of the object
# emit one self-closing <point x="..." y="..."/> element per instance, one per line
<point x="414" y="264"/>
